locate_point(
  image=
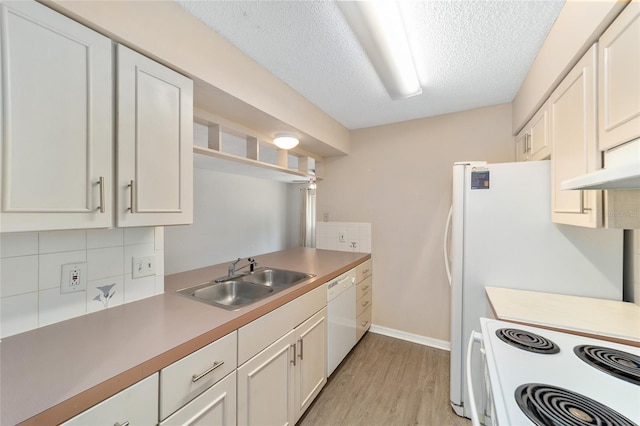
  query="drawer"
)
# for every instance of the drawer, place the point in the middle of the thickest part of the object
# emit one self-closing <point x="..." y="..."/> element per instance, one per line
<point x="187" y="378"/>
<point x="364" y="270"/>
<point x="363" y="322"/>
<point x="136" y="405"/>
<point x="363" y="303"/>
<point x="363" y="287"/>
<point x="216" y="406"/>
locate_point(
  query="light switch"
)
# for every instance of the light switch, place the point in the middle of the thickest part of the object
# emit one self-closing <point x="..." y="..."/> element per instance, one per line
<point x="143" y="266"/>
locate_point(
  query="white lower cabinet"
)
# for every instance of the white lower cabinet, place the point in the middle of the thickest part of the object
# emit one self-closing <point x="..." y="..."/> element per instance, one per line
<point x="278" y="384"/>
<point x="215" y="407"/>
<point x="311" y="362"/>
<point x="265" y="386"/>
<point x="136" y="405"/>
<point x="187" y="378"/>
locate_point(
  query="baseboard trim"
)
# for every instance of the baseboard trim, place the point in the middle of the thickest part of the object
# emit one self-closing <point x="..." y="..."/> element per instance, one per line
<point x="409" y="337"/>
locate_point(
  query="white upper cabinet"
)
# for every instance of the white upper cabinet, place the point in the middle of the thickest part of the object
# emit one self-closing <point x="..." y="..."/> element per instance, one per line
<point x="57" y="140"/>
<point x="619" y="79"/>
<point x="155" y="143"/>
<point x="533" y="142"/>
<point x="572" y="108"/>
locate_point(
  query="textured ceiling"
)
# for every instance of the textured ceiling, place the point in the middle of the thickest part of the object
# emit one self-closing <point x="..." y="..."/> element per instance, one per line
<point x="468" y="53"/>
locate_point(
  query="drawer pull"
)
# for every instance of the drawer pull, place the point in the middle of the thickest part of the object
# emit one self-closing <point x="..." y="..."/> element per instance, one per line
<point x="365" y="303"/>
<point x="365" y="288"/>
<point x="215" y="365"/>
<point x="365" y="272"/>
<point x="364" y="324"/>
<point x="126" y="423"/>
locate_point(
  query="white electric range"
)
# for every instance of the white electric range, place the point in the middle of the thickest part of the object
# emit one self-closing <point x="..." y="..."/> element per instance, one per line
<point x="542" y="377"/>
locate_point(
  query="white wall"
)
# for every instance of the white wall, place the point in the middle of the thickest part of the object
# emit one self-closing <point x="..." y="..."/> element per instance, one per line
<point x="398" y="178"/>
<point x="234" y="216"/>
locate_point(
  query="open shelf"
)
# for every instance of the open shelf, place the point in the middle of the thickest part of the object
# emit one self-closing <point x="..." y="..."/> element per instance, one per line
<point x="235" y="149"/>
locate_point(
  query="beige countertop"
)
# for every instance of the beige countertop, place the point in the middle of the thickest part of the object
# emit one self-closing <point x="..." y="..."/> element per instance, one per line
<point x="598" y="318"/>
<point x="49" y="374"/>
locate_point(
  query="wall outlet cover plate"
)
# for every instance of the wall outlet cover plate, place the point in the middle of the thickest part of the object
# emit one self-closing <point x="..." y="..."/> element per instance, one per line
<point x="73" y="277"/>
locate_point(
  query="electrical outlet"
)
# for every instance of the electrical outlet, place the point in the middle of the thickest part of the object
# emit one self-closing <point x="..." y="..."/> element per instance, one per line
<point x="73" y="277"/>
<point x="325" y="217"/>
<point x="143" y="266"/>
<point x="342" y="237"/>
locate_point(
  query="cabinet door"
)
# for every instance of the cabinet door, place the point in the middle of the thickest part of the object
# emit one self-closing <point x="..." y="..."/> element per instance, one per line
<point x="522" y="147"/>
<point x="266" y="385"/>
<point x="619" y="84"/>
<point x="136" y="405"/>
<point x="215" y="407"/>
<point x="311" y="369"/>
<point x="155" y="143"/>
<point x="575" y="152"/>
<point x="539" y="146"/>
<point x="56" y="157"/>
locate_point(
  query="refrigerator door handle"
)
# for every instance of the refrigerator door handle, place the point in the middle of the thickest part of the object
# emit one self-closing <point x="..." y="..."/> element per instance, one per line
<point x="447" y="229"/>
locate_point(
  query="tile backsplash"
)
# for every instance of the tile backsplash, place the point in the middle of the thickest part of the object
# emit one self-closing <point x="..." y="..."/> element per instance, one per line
<point x="357" y="236"/>
<point x="30" y="273"/>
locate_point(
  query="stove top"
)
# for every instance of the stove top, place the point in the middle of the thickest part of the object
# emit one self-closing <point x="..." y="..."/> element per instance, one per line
<point x="622" y="365"/>
<point x="558" y="386"/>
<point x="550" y="405"/>
<point x="527" y="341"/>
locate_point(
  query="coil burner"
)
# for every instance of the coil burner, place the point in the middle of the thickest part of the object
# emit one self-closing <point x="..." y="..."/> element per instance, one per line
<point x="527" y="341"/>
<point x="617" y="363"/>
<point x="549" y="405"/>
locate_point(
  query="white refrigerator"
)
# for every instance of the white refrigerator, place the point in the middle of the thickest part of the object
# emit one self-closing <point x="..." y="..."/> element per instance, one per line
<point x="502" y="236"/>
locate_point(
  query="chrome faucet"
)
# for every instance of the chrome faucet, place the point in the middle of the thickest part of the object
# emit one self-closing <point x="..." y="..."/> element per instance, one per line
<point x="232" y="268"/>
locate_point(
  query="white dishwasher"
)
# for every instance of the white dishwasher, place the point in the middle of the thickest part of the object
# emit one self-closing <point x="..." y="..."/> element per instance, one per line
<point x="341" y="314"/>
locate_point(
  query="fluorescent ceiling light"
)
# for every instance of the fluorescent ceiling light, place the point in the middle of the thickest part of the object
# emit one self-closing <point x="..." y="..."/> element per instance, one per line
<point x="285" y="141"/>
<point x="378" y="26"/>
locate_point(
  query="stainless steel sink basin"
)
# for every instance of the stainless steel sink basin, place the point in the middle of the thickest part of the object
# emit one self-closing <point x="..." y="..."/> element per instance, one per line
<point x="235" y="292"/>
<point x="231" y="295"/>
<point x="278" y="279"/>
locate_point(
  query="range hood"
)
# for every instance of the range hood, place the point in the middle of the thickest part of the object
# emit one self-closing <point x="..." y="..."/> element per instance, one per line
<point x="621" y="170"/>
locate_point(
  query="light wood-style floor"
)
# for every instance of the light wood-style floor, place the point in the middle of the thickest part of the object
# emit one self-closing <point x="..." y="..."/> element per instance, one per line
<point x="386" y="381"/>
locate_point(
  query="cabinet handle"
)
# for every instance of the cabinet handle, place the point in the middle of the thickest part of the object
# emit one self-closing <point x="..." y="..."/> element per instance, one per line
<point x="293" y="361"/>
<point x="365" y="288"/>
<point x="301" y="355"/>
<point x="197" y="377"/>
<point x="365" y="272"/>
<point x="132" y="196"/>
<point x="101" y="186"/>
<point x="364" y="324"/>
<point x="365" y="303"/>
<point x="126" y="423"/>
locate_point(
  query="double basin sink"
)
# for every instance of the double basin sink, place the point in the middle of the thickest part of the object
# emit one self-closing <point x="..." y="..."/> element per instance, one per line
<point x="238" y="291"/>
